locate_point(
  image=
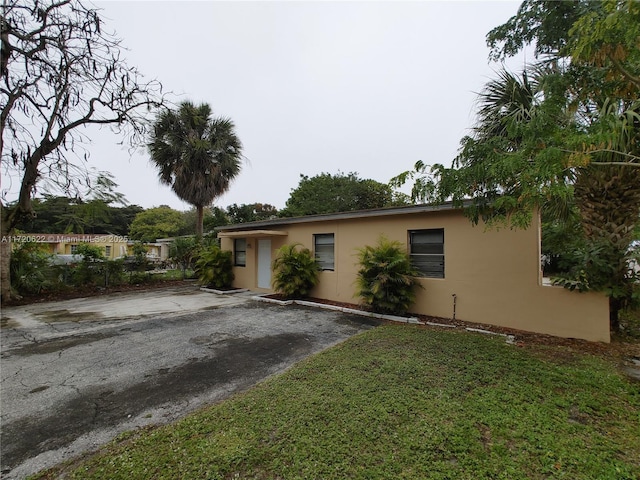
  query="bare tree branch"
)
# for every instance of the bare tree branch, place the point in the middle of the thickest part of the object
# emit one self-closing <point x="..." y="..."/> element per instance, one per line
<point x="60" y="71"/>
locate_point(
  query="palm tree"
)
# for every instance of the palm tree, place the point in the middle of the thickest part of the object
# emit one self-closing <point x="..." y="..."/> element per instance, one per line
<point x="197" y="155"/>
<point x="603" y="183"/>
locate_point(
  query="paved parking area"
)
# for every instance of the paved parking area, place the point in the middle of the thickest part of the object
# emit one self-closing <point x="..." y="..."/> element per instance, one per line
<point x="78" y="372"/>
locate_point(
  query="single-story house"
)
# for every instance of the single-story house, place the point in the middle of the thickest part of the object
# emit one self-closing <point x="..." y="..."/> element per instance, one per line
<point x="489" y="276"/>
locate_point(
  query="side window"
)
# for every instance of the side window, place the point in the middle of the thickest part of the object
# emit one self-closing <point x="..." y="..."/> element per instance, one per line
<point x="426" y="248"/>
<point x="240" y="252"/>
<point x="107" y="251"/>
<point x="323" y="248"/>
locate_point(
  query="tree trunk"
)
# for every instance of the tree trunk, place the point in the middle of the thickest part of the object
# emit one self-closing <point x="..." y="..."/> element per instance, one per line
<point x="199" y="221"/>
<point x="5" y="255"/>
<point x="609" y="201"/>
<point x="5" y="264"/>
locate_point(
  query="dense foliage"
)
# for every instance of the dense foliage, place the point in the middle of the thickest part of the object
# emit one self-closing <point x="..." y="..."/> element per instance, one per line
<point x="386" y="280"/>
<point x="252" y="212"/>
<point x="29" y="269"/>
<point x="55" y="214"/>
<point x="184" y="251"/>
<point x="326" y="193"/>
<point x="295" y="271"/>
<point x="562" y="135"/>
<point x="35" y="271"/>
<point x="155" y="223"/>
<point x="214" y="267"/>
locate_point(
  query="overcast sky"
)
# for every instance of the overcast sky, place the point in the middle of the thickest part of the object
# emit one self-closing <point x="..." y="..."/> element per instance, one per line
<point x="327" y="86"/>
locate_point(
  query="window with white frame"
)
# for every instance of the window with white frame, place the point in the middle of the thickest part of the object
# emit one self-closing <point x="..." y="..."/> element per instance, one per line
<point x="426" y="248"/>
<point x="74" y="249"/>
<point x="107" y="251"/>
<point x="240" y="252"/>
<point x="323" y="249"/>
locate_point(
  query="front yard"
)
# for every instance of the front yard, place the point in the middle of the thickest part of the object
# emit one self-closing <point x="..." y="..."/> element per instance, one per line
<point x="403" y="402"/>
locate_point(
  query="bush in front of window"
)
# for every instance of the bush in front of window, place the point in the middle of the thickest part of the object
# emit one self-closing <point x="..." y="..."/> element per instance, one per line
<point x="214" y="267"/>
<point x="295" y="271"/>
<point x="386" y="279"/>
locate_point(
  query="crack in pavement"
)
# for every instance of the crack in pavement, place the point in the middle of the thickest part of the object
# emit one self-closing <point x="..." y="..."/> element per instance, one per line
<point x="29" y="436"/>
<point x="148" y="371"/>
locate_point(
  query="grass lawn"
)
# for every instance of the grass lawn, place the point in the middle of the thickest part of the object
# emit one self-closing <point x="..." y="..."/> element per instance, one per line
<point x="402" y="402"/>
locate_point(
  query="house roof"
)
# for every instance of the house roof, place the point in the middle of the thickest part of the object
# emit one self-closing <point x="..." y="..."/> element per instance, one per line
<point x="253" y="233"/>
<point x="377" y="212"/>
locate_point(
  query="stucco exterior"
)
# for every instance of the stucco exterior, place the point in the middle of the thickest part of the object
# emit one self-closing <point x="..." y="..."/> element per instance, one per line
<point x="495" y="275"/>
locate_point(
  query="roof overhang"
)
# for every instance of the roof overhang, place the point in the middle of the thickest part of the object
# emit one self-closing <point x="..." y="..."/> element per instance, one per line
<point x="357" y="214"/>
<point x="253" y="233"/>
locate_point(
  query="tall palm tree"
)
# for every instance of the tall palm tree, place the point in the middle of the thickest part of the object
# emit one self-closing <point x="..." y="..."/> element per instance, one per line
<point x="196" y="155"/>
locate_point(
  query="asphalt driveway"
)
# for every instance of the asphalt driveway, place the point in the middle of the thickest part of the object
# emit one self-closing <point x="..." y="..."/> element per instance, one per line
<point x="76" y="373"/>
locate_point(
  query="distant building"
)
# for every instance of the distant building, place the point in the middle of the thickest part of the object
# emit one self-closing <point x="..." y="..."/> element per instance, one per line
<point x="113" y="246"/>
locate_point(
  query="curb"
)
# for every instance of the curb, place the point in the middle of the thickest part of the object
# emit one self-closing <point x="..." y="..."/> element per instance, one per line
<point x="306" y="303"/>
<point x="509" y="339"/>
<point x="223" y="292"/>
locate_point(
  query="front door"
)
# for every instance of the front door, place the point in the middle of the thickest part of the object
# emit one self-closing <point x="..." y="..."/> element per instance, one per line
<point x="264" y="263"/>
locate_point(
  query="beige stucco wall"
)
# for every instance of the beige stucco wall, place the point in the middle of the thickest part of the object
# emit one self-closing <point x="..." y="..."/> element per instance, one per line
<point x="495" y="274"/>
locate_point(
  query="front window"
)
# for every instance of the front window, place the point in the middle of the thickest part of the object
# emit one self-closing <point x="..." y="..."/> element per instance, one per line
<point x="240" y="252"/>
<point x="427" y="251"/>
<point x="323" y="250"/>
<point x="107" y="251"/>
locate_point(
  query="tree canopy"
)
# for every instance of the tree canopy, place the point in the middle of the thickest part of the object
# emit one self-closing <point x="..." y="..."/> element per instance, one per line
<point x="155" y="223"/>
<point x="251" y="212"/>
<point x="55" y="214"/>
<point x="326" y="193"/>
<point x="564" y="134"/>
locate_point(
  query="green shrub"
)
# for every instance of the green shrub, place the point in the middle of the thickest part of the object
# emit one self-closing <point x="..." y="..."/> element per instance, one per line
<point x="89" y="271"/>
<point x="214" y="267"/>
<point x="386" y="279"/>
<point x="114" y="272"/>
<point x="30" y="271"/>
<point x="295" y="271"/>
<point x="139" y="278"/>
<point x="183" y="251"/>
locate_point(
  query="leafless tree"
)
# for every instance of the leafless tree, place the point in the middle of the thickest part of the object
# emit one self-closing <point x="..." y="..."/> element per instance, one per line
<point x="60" y="72"/>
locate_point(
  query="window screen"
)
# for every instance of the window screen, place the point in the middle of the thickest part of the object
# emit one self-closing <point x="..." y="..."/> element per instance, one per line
<point x="323" y="247"/>
<point x="240" y="252"/>
<point x="427" y="251"/>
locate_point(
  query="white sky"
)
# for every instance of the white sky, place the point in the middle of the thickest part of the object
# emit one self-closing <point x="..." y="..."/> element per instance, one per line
<point x="327" y="86"/>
